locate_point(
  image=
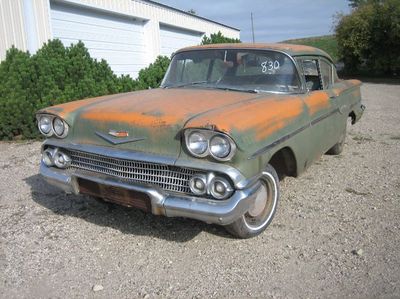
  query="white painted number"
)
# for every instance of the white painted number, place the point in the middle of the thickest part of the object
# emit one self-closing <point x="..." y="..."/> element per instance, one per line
<point x="270" y="65"/>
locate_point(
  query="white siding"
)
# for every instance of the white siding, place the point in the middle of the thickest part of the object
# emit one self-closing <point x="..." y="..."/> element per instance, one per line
<point x="16" y="29"/>
<point x="173" y="38"/>
<point x="117" y="39"/>
<point x="12" y="31"/>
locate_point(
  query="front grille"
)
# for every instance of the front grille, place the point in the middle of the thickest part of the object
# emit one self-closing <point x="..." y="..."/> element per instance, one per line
<point x="169" y="178"/>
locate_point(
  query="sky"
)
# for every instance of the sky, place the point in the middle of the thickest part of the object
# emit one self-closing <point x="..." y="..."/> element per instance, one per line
<point x="274" y="20"/>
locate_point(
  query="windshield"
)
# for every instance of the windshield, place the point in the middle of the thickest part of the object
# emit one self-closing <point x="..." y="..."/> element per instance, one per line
<point x="242" y="70"/>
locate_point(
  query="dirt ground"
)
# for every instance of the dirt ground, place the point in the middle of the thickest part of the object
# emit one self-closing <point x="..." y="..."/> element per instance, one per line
<point x="336" y="232"/>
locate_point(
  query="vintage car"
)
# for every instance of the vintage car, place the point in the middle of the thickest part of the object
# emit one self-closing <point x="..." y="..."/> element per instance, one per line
<point x="212" y="143"/>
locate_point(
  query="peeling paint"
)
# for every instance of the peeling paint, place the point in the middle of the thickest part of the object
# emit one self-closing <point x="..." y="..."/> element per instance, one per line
<point x="317" y="101"/>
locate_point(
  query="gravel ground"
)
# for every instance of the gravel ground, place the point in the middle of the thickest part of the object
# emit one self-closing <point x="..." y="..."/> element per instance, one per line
<point x="336" y="233"/>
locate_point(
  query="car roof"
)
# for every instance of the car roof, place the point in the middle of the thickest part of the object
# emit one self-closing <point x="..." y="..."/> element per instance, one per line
<point x="290" y="49"/>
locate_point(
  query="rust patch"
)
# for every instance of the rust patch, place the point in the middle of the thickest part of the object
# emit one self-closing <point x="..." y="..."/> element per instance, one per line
<point x="263" y="116"/>
<point x="63" y="110"/>
<point x="346" y="84"/>
<point x="161" y="107"/>
<point x="316" y="101"/>
<point x="132" y="118"/>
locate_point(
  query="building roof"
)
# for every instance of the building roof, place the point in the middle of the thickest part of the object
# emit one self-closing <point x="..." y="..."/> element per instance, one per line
<point x="292" y="50"/>
<point x="189" y="14"/>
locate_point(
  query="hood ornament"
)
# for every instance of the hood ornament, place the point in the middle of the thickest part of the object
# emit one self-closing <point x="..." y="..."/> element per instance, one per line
<point x="118" y="137"/>
<point x="118" y="133"/>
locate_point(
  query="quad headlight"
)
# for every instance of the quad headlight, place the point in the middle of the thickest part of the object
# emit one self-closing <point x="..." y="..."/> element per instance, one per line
<point x="198" y="143"/>
<point x="45" y="125"/>
<point x="220" y="146"/>
<point x="201" y="143"/>
<point x="50" y="125"/>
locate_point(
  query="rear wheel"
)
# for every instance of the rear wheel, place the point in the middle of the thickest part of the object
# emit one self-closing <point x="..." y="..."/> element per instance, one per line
<point x="259" y="215"/>
<point x="338" y="147"/>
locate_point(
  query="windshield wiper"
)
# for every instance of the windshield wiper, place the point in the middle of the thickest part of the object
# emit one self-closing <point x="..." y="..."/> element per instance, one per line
<point x="237" y="89"/>
<point x="187" y="84"/>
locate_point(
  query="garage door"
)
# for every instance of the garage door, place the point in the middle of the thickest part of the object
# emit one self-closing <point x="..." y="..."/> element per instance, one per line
<point x="117" y="39"/>
<point x="173" y="38"/>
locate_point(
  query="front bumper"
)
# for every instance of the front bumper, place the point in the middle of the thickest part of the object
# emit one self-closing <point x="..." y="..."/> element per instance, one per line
<point x="221" y="212"/>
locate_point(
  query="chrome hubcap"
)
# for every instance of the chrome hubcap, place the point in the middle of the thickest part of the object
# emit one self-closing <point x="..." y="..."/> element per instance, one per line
<point x="260" y="202"/>
<point x="265" y="204"/>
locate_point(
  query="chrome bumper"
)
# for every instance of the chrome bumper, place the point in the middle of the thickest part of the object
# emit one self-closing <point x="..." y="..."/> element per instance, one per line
<point x="171" y="205"/>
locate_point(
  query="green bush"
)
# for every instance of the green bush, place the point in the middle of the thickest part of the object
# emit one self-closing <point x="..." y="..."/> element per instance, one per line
<point x="54" y="75"/>
<point x="151" y="76"/>
<point x="369" y="38"/>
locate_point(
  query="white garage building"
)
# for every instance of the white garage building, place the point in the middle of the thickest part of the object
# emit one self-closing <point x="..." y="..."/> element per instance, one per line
<point x="129" y="34"/>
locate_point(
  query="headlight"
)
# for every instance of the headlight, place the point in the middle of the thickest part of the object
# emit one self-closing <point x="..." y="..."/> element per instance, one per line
<point x="220" y="146"/>
<point x="197" y="144"/>
<point x="58" y="126"/>
<point x="202" y="143"/>
<point x="50" y="124"/>
<point x="45" y="125"/>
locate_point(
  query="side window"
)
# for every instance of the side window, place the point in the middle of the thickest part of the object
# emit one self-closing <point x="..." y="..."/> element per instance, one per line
<point x="326" y="74"/>
<point x="311" y="75"/>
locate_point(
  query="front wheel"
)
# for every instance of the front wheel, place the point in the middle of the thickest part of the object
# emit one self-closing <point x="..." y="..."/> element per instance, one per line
<point x="260" y="214"/>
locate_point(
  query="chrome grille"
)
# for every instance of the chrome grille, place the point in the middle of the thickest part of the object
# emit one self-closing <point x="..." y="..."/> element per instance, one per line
<point x="170" y="178"/>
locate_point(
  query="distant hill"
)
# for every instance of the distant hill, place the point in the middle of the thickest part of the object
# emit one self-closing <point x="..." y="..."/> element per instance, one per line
<point x="328" y="43"/>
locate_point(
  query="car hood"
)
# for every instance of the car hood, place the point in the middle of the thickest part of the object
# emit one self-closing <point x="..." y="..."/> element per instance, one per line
<point x="153" y="118"/>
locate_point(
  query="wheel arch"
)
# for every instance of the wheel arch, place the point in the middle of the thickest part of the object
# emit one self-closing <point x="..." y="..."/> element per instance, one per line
<point x="285" y="163"/>
<point x="353" y="117"/>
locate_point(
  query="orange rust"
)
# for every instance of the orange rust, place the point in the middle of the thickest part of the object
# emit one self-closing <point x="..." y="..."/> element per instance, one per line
<point x="264" y="116"/>
<point x="344" y="85"/>
<point x="63" y="110"/>
<point x="133" y="118"/>
<point x="161" y="107"/>
<point x="316" y="101"/>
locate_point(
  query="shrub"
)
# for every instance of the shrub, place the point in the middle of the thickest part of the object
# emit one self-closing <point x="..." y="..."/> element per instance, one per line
<point x="54" y="75"/>
<point x="151" y="76"/>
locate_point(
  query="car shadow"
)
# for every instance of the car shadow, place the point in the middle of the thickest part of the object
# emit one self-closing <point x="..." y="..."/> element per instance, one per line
<point x="126" y="220"/>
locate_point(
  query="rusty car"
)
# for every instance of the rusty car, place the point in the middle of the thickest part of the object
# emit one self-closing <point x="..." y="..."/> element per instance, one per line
<point x="212" y="143"/>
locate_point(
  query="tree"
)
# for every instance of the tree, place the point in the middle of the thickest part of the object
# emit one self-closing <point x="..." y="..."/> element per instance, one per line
<point x="370" y="37"/>
<point x="358" y="3"/>
<point x="218" y="38"/>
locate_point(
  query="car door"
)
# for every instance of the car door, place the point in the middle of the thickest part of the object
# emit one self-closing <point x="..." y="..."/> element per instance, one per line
<point x="321" y="104"/>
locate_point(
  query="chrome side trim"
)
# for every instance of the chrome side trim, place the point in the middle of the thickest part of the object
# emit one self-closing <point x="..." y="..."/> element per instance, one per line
<point x="290" y="135"/>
